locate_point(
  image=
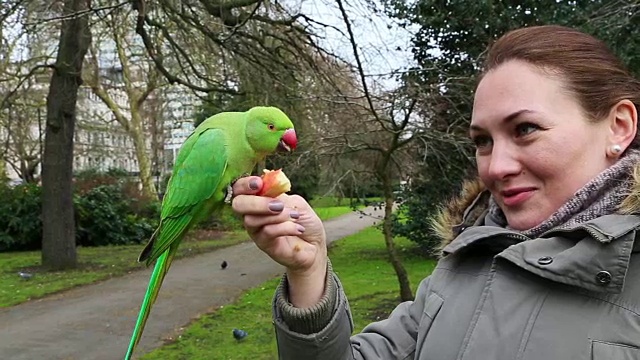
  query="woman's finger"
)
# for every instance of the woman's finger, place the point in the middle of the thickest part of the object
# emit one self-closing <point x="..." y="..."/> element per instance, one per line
<point x="248" y="185"/>
<point x="272" y="236"/>
<point x="258" y="221"/>
<point x="288" y="228"/>
<point x="256" y="205"/>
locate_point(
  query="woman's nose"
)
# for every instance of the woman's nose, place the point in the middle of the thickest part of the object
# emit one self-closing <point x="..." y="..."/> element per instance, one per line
<point x="503" y="162"/>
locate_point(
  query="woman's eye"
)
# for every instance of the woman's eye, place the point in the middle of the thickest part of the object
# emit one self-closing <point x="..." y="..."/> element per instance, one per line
<point x="524" y="129"/>
<point x="481" y="141"/>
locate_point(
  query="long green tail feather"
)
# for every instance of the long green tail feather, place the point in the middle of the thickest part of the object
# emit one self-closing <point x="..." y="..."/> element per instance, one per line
<point x="157" y="276"/>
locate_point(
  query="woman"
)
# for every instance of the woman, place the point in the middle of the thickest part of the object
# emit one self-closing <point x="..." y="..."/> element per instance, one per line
<point x="539" y="258"/>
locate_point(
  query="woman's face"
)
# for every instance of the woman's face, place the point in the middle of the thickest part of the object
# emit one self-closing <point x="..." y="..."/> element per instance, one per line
<point x="534" y="145"/>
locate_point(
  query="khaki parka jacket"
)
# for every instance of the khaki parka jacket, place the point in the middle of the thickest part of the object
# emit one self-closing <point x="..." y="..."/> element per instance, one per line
<point x="570" y="294"/>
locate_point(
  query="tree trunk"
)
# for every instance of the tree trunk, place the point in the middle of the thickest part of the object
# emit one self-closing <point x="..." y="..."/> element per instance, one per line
<point x="28" y="169"/>
<point x="403" y="278"/>
<point x="58" y="223"/>
<point x="144" y="161"/>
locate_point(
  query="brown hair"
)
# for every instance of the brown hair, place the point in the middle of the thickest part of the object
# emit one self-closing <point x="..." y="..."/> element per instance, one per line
<point x="592" y="72"/>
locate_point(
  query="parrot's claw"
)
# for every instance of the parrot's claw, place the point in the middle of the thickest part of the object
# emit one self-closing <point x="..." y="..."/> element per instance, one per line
<point x="229" y="194"/>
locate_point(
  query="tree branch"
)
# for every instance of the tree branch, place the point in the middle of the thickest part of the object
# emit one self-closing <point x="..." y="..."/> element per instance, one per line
<point x="11" y="10"/>
<point x="31" y="72"/>
<point x="78" y="14"/>
<point x="142" y="18"/>
<point x="360" y="68"/>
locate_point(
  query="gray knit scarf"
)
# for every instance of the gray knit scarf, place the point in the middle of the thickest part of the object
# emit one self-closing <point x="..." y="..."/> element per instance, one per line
<point x="601" y="196"/>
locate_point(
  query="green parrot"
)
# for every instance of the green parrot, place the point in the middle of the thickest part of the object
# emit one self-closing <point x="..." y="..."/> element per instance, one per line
<point x="223" y="148"/>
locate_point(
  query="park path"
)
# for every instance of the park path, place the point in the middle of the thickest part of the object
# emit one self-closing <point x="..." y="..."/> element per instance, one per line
<point x="94" y="322"/>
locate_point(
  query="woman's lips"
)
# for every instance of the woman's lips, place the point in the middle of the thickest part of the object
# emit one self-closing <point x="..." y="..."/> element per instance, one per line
<point x="516" y="196"/>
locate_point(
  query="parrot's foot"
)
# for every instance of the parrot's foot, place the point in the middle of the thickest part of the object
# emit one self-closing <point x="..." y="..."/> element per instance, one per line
<point x="229" y="194"/>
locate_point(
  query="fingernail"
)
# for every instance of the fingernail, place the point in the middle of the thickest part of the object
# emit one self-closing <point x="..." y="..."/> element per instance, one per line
<point x="276" y="205"/>
<point x="294" y="214"/>
<point x="253" y="184"/>
<point x="300" y="228"/>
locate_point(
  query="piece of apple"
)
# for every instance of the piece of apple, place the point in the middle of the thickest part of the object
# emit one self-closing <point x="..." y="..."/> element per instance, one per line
<point x="274" y="183"/>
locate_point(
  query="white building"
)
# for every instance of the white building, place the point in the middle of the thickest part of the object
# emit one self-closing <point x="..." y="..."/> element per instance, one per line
<point x="101" y="142"/>
<point x="178" y="124"/>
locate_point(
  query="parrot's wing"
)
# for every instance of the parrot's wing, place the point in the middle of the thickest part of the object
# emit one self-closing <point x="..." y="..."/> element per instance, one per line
<point x="196" y="175"/>
<point x="197" y="172"/>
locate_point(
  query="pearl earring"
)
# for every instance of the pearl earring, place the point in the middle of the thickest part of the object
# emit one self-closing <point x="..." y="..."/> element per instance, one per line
<point x="616" y="149"/>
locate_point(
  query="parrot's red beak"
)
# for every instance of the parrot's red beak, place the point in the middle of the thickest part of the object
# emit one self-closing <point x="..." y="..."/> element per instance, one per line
<point x="288" y="141"/>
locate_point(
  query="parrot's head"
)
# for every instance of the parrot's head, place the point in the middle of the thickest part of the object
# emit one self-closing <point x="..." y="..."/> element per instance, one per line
<point x="270" y="130"/>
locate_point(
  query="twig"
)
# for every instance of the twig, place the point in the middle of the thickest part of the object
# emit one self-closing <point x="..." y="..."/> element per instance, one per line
<point x="25" y="78"/>
<point x="365" y="87"/>
<point x="77" y="14"/>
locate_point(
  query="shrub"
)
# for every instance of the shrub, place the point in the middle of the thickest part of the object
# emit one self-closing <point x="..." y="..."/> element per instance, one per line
<point x="441" y="181"/>
<point x="104" y="216"/>
<point x="109" y="210"/>
<point x="20" y="222"/>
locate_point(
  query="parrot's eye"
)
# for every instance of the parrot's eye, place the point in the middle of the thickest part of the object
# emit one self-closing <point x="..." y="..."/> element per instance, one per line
<point x="271" y="127"/>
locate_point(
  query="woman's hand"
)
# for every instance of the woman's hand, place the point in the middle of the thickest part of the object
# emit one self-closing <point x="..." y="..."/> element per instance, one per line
<point x="288" y="230"/>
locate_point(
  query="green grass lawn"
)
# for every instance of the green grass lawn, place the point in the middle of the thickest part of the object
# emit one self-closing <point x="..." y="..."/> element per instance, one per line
<point x="327" y="213"/>
<point x="96" y="263"/>
<point x="368" y="279"/>
<point x="329" y="207"/>
<point x="331" y="201"/>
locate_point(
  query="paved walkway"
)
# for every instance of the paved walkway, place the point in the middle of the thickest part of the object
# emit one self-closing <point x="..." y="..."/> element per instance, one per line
<point x="94" y="322"/>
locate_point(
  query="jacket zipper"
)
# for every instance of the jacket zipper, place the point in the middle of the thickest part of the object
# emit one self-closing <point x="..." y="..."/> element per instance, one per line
<point x="588" y="228"/>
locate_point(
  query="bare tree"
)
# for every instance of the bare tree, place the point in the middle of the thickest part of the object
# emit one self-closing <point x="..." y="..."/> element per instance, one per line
<point x="58" y="232"/>
<point x="23" y="122"/>
<point x="22" y="65"/>
<point x="264" y="35"/>
<point x="382" y="134"/>
<point x="379" y="139"/>
<point x="125" y="85"/>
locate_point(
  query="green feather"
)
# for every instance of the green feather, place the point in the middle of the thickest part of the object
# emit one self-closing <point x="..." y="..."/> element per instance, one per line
<point x="157" y="276"/>
<point x="221" y="149"/>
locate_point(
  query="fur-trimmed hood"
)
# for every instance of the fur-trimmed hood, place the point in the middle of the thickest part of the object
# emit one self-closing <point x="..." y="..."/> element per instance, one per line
<point x="472" y="203"/>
